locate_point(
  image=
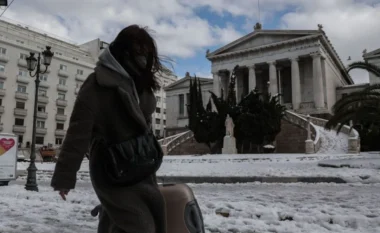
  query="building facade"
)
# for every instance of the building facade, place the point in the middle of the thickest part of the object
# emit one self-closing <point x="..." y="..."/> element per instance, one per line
<point x="301" y="65"/>
<point x="372" y="57"/>
<point x="160" y="116"/>
<point x="177" y="97"/>
<point x="70" y="66"/>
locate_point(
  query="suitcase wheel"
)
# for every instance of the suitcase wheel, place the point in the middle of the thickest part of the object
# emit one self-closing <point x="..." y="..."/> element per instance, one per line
<point x="193" y="218"/>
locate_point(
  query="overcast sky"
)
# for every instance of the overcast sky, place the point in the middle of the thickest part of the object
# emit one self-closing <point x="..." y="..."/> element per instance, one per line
<point x="185" y="29"/>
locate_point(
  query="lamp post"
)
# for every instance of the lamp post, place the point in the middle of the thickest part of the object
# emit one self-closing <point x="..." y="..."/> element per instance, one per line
<point x="35" y="64"/>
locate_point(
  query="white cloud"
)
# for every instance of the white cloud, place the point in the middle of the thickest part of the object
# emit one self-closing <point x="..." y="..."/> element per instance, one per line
<point x="352" y="25"/>
<point x="179" y="32"/>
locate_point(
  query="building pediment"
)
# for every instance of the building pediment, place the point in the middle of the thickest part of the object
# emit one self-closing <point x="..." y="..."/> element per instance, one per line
<point x="185" y="83"/>
<point x="263" y="38"/>
<point x="374" y="53"/>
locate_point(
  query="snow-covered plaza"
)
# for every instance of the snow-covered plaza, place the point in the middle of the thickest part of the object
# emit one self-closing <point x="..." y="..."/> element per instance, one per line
<point x="290" y="208"/>
<point x="252" y="207"/>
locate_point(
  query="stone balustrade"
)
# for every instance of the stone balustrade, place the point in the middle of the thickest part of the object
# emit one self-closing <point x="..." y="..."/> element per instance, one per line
<point x="310" y="127"/>
<point x="353" y="135"/>
<point x="168" y="144"/>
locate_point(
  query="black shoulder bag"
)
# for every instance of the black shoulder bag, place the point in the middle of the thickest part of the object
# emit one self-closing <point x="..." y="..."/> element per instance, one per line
<point x="133" y="160"/>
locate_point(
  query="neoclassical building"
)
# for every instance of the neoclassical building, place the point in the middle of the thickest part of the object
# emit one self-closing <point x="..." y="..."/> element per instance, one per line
<point x="301" y="65"/>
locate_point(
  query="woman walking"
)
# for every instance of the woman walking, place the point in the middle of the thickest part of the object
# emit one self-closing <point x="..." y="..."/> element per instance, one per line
<point x="112" y="117"/>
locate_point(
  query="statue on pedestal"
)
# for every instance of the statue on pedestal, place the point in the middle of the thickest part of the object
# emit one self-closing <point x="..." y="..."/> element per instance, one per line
<point x="229" y="126"/>
<point x="229" y="142"/>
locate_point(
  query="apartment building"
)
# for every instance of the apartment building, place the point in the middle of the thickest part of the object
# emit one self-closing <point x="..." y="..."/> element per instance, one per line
<point x="159" y="117"/>
<point x="69" y="68"/>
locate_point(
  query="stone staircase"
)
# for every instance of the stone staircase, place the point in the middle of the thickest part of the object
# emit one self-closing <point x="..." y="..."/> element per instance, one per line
<point x="300" y="134"/>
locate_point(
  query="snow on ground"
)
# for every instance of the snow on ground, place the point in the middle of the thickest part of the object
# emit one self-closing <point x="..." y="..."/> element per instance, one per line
<point x="280" y="165"/>
<point x="369" y="161"/>
<point x="265" y="208"/>
<point x="331" y="142"/>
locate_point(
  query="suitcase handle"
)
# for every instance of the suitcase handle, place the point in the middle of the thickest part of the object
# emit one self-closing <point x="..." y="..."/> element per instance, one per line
<point x="193" y="218"/>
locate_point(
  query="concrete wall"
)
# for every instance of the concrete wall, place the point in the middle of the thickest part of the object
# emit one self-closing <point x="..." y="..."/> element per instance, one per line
<point x="340" y="91"/>
<point x="191" y="147"/>
<point x="172" y="100"/>
<point x="333" y="79"/>
<point x="372" y="78"/>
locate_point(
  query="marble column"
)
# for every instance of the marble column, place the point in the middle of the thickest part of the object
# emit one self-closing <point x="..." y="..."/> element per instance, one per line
<point x="273" y="87"/>
<point x="251" y="78"/>
<point x="319" y="99"/>
<point x="217" y="86"/>
<point x="296" y="84"/>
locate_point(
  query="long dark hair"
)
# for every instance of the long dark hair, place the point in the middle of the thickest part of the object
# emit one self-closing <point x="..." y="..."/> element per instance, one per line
<point x="132" y="43"/>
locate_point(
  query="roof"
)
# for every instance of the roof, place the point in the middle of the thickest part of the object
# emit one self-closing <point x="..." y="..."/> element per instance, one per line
<point x="372" y="54"/>
<point x="186" y="78"/>
<point x="262" y="32"/>
<point x="300" y="36"/>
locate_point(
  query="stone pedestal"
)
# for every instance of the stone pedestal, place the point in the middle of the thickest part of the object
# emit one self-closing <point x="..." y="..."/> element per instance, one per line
<point x="309" y="147"/>
<point x="352" y="145"/>
<point x="229" y="145"/>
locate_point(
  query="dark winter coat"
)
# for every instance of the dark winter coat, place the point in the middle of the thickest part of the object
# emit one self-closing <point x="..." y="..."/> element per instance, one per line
<point x="108" y="106"/>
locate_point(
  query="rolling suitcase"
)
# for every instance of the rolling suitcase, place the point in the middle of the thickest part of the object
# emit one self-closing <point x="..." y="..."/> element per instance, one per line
<point x="183" y="212"/>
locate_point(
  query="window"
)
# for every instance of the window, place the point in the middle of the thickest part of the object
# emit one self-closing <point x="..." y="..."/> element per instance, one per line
<point x="42" y="92"/>
<point x="20" y="139"/>
<point x="187" y="100"/>
<point x="21" y="88"/>
<point x="61" y="111"/>
<point x="23" y="73"/>
<point x="158" y="121"/>
<point x="1" y="85"/>
<point x="158" y="99"/>
<point x="41" y="108"/>
<point x="62" y="67"/>
<point x="1" y="102"/>
<point x="79" y="84"/>
<point x="43" y="77"/>
<point x="2" y="68"/>
<point x="19" y="122"/>
<point x="164" y="122"/>
<point x="3" y="51"/>
<point x="62" y="81"/>
<point x="80" y="72"/>
<point x="181" y="104"/>
<point x="61" y="96"/>
<point x="20" y="105"/>
<point x="164" y="110"/>
<point x="158" y="132"/>
<point x="23" y="56"/>
<point x="40" y="140"/>
<point x="41" y="124"/>
<point x="60" y="126"/>
<point x="20" y="41"/>
<point x="158" y="110"/>
<point x="58" y="141"/>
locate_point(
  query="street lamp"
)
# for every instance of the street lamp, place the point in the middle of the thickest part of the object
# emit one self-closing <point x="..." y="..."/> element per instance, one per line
<point x="35" y="64"/>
